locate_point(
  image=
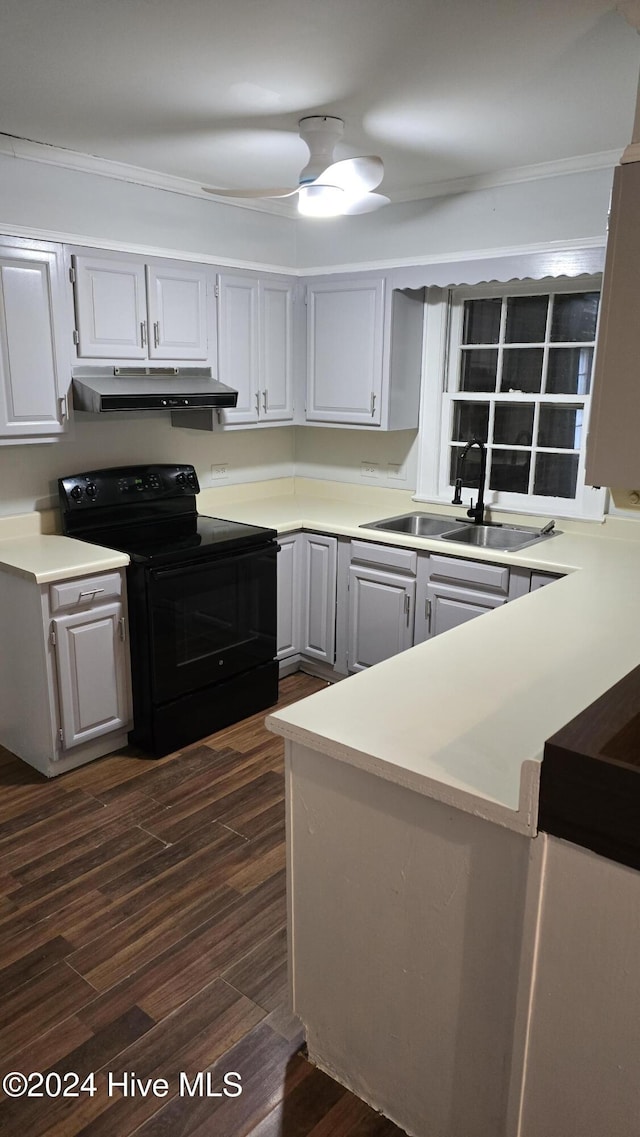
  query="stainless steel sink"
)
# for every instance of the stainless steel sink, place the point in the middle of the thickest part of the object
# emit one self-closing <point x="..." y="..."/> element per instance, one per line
<point x="495" y="535"/>
<point x="415" y="524"/>
<point x="501" y="537"/>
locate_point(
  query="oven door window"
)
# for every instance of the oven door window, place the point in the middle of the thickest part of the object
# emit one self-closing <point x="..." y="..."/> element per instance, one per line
<point x="211" y="620"/>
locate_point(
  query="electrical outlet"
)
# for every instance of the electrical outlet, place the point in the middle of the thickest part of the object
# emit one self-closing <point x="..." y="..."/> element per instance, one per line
<point x="220" y="471"/>
<point x="395" y="471"/>
<point x="370" y="469"/>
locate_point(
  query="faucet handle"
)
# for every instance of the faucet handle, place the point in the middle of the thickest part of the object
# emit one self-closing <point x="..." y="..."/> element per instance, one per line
<point x="457" y="497"/>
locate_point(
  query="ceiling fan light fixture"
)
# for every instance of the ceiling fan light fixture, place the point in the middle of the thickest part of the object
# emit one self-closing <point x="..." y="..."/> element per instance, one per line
<point x="317" y="200"/>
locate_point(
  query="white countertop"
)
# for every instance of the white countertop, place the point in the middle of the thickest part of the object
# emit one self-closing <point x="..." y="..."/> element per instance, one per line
<point x="44" y="557"/>
<point x="464" y="717"/>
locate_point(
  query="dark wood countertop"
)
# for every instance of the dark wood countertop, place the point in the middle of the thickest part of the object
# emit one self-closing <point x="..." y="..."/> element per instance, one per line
<point x="590" y="777"/>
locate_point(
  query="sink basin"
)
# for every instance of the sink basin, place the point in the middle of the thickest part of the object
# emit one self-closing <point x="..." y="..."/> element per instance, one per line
<point x="415" y="524"/>
<point x="492" y="536"/>
<point x="503" y="537"/>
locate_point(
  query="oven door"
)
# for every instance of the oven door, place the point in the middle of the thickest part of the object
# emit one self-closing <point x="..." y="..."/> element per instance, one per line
<point x="210" y="620"/>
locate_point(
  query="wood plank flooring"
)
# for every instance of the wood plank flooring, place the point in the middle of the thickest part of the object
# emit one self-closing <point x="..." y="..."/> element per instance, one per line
<point x="142" y="932"/>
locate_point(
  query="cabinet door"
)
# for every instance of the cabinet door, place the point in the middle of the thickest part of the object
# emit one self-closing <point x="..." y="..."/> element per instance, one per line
<point x="446" y="607"/>
<point x="238" y="344"/>
<point x="177" y="300"/>
<point x="32" y="403"/>
<point x="288" y="597"/>
<point x="381" y="615"/>
<point x="318" y="596"/>
<point x="111" y="308"/>
<point x="344" y="346"/>
<point x="92" y="673"/>
<point x="276" y="355"/>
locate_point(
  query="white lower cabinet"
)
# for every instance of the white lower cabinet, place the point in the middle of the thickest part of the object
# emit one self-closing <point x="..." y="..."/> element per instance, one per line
<point x="381" y="606"/>
<point x="288" y="636"/>
<point x="318" y="587"/>
<point x="92" y="675"/>
<point x="382" y="591"/>
<point x="307" y="597"/>
<point x="65" y="686"/>
<point x="452" y="591"/>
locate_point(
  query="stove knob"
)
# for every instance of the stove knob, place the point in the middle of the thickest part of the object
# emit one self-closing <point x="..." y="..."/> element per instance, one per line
<point x="76" y="493"/>
<point x="92" y="490"/>
<point x="191" y="478"/>
<point x="181" y="478"/>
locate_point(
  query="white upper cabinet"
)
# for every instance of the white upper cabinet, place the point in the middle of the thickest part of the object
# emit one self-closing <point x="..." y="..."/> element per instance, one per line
<point x="276" y="350"/>
<point x="255" y="347"/>
<point x="177" y="306"/>
<point x="364" y="354"/>
<point x="128" y="310"/>
<point x="34" y="357"/>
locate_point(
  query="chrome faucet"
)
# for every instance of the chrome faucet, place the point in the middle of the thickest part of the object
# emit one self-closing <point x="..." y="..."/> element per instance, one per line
<point x="475" y="511"/>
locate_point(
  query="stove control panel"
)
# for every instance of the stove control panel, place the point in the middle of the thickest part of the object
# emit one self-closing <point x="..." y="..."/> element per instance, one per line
<point x="122" y="484"/>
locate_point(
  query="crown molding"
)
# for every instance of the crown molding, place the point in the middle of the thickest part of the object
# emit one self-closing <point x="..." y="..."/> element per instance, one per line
<point x="562" y="167"/>
<point x="543" y="248"/>
<point x="137" y="175"/>
<point x="90" y="164"/>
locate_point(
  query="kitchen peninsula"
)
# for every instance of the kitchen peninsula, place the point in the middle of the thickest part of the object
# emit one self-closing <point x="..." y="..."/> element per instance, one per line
<point x="416" y="868"/>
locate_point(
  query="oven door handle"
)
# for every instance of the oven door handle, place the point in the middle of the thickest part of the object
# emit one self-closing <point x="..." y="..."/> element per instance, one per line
<point x="206" y="564"/>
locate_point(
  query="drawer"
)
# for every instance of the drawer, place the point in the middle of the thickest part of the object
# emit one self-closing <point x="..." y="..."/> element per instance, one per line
<point x="86" y="590"/>
<point x="492" y="577"/>
<point x="387" y="556"/>
<point x="539" y="579"/>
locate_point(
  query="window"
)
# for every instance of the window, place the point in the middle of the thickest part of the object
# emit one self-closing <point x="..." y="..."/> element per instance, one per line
<point x="518" y="377"/>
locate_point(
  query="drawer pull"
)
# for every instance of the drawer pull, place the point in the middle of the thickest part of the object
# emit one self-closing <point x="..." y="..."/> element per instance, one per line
<point x="91" y="592"/>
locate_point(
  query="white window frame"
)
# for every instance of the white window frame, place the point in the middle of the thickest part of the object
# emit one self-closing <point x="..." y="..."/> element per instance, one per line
<point x="441" y="360"/>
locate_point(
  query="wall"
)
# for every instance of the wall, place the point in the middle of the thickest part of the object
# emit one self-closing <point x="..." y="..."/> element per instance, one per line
<point x="74" y="205"/>
<point x="552" y="209"/>
<point x="358" y="456"/>
<point x="83" y="206"/>
<point x="28" y="473"/>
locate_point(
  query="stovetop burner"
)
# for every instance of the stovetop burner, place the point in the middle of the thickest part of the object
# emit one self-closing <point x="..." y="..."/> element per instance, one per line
<point x="149" y="513"/>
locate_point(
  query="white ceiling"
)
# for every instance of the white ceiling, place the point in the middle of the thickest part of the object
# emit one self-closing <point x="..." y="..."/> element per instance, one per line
<point x="212" y="90"/>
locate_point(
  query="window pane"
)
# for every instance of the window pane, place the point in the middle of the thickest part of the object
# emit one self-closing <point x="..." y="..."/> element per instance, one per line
<point x="478" y="370"/>
<point x="574" y="316"/>
<point x="471" y="472"/>
<point x="510" y="470"/>
<point x="526" y="319"/>
<point x="556" y="475"/>
<point x="522" y="369"/>
<point x="569" y="370"/>
<point x="560" y="426"/>
<point x="513" y="425"/>
<point x="482" y="321"/>
<point x="470" y="420"/>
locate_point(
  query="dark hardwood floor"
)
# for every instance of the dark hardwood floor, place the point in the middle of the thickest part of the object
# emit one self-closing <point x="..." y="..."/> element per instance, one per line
<point x="142" y="932"/>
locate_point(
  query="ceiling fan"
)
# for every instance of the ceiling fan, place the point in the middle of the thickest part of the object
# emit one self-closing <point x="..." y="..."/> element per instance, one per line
<point x="326" y="188"/>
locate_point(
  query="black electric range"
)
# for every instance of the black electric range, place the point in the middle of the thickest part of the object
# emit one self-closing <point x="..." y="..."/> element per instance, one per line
<point x="201" y="599"/>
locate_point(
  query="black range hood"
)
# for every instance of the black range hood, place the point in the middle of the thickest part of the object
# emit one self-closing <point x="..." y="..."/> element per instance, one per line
<point x="101" y="389"/>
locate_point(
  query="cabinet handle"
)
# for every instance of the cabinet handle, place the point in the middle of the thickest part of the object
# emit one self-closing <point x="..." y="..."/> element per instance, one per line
<point x="156" y="334"/>
<point x="143" y="333"/>
<point x="373" y="403"/>
<point x="257" y="402"/>
<point x="427" y="614"/>
<point x="407" y="608"/>
<point x="264" y="401"/>
<point x="91" y="592"/>
<point x="62" y="403"/>
<point x="122" y="628"/>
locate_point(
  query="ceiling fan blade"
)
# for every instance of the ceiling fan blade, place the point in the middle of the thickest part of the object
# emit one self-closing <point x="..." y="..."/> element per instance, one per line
<point x="251" y="193"/>
<point x="354" y="175"/>
<point x="366" y="204"/>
